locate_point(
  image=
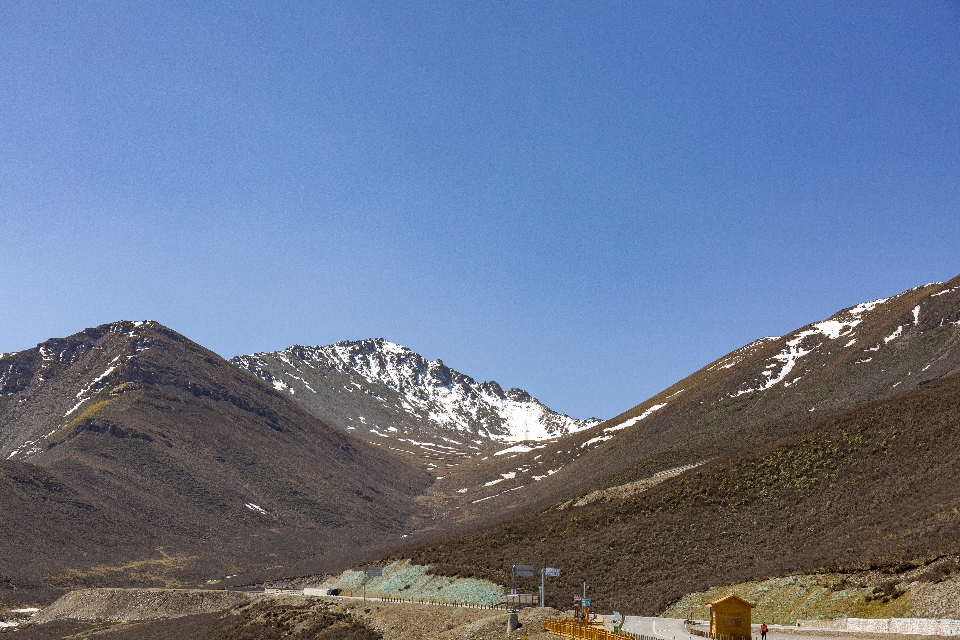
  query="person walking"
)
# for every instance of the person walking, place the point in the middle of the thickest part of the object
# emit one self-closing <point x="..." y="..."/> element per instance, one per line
<point x="763" y="631"/>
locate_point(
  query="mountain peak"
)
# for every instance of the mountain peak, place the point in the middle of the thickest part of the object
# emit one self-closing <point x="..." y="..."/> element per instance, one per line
<point x="380" y="387"/>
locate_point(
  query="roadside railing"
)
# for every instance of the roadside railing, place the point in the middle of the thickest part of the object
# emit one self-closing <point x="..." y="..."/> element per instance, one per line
<point x="441" y="603"/>
<point x="351" y="595"/>
<point x="573" y="629"/>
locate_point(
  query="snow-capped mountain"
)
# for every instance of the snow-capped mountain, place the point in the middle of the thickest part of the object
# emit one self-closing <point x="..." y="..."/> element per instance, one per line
<point x="128" y="437"/>
<point x="389" y="391"/>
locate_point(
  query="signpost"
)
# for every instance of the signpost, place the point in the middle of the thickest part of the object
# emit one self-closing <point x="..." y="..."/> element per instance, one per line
<point x="546" y="571"/>
<point x="372" y="572"/>
<point x="522" y="570"/>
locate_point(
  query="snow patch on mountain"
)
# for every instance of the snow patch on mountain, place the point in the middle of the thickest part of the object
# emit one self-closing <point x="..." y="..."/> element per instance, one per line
<point x="428" y="389"/>
<point x="519" y="448"/>
<point x="95" y="386"/>
<point x="635" y="420"/>
<point x="806" y="341"/>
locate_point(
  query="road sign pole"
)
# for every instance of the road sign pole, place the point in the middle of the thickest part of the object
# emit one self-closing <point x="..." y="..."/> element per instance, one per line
<point x="546" y="571"/>
<point x="523" y="571"/>
<point x="542" y="572"/>
<point x="371" y="572"/>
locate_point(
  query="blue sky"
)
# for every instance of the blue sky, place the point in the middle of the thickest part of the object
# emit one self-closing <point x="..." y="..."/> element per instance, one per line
<point x="589" y="200"/>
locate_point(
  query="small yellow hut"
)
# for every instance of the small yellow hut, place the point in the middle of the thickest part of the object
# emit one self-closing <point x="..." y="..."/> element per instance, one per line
<point x="730" y="618"/>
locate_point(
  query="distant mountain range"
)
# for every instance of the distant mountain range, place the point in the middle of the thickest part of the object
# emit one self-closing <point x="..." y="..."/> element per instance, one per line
<point x="387" y="391"/>
<point x="132" y="455"/>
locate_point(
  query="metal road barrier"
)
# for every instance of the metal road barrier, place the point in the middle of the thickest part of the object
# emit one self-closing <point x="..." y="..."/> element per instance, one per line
<point x="500" y="606"/>
<point x="573" y="629"/>
<point x="442" y="603"/>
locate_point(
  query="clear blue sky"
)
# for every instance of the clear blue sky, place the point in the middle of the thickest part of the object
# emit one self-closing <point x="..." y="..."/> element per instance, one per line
<point x="589" y="200"/>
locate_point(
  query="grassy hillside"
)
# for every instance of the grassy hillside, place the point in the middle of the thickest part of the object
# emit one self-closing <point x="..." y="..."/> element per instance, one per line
<point x="871" y="487"/>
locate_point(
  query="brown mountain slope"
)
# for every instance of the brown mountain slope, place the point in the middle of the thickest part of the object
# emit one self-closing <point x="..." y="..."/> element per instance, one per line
<point x="769" y="387"/>
<point x="135" y="456"/>
<point x="871" y="487"/>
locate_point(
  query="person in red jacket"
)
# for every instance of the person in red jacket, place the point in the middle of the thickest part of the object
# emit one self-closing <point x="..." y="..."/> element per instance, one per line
<point x="763" y="631"/>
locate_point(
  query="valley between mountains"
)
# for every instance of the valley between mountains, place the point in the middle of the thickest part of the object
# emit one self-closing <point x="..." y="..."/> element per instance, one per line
<point x="132" y="456"/>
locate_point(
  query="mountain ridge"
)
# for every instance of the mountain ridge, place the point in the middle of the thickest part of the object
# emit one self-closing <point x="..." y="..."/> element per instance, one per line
<point x="870" y="488"/>
<point x="152" y="451"/>
<point x="422" y="402"/>
<point x="139" y="439"/>
<point x="862" y="353"/>
<point x="707" y="415"/>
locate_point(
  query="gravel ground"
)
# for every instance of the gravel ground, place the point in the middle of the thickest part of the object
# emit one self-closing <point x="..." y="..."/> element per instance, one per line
<point x="108" y="612"/>
<point x="420" y="622"/>
<point x="138" y="604"/>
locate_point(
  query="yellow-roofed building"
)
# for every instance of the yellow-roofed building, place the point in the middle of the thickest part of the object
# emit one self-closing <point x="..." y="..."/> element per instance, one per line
<point x="730" y="618"/>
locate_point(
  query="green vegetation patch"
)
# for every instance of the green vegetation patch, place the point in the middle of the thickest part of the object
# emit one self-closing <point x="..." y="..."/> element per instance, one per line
<point x="801" y="597"/>
<point x="403" y="579"/>
<point x="799" y="468"/>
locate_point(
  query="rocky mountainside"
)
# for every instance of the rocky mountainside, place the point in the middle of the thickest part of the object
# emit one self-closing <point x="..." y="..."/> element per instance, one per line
<point x="863" y="353"/>
<point x="873" y="489"/>
<point x="771" y="386"/>
<point x="133" y="455"/>
<point x="394" y="396"/>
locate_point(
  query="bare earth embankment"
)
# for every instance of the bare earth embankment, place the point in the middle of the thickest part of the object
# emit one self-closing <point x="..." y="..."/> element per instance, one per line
<point x="154" y="614"/>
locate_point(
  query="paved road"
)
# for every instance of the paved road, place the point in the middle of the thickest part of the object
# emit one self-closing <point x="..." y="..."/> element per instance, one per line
<point x="673" y="629"/>
<point x="665" y="628"/>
